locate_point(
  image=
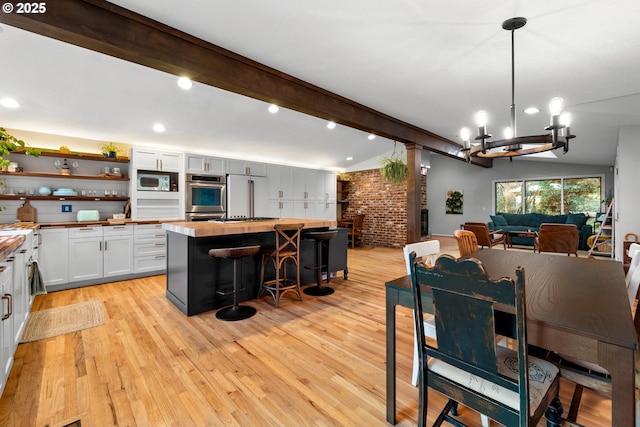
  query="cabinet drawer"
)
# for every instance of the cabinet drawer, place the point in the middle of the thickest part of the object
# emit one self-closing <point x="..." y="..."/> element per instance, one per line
<point x="141" y="229"/>
<point x="117" y="230"/>
<point x="150" y="263"/>
<point x="75" y="233"/>
<point x="146" y="249"/>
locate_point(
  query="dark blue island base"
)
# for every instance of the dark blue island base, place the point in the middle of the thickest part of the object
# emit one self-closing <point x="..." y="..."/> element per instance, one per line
<point x="197" y="282"/>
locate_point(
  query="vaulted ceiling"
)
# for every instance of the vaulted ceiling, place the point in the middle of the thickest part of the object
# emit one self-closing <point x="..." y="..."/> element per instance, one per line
<point x="427" y="64"/>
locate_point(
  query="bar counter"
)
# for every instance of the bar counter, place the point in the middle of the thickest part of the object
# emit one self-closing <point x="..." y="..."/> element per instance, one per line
<point x="197" y="282"/>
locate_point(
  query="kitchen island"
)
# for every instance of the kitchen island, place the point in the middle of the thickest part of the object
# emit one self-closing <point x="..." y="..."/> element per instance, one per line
<point x="197" y="282"/>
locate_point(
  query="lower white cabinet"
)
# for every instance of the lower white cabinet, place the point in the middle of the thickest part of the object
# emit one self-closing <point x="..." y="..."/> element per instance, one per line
<point x="85" y="253"/>
<point x="150" y="248"/>
<point x="96" y="252"/>
<point x="117" y="250"/>
<point x="7" y="322"/>
<point x="54" y="256"/>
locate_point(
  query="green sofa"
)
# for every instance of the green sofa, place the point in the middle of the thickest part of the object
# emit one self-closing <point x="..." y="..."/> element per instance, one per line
<point x="532" y="221"/>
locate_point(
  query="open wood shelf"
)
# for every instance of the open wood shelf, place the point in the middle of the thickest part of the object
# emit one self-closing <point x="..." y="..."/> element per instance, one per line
<point x="58" y="198"/>
<point x="55" y="175"/>
<point x="47" y="152"/>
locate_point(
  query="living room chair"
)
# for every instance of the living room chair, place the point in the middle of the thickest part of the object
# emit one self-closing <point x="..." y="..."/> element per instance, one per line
<point x="425" y="252"/>
<point x="559" y="238"/>
<point x="509" y="386"/>
<point x="486" y="237"/>
<point x="467" y="242"/>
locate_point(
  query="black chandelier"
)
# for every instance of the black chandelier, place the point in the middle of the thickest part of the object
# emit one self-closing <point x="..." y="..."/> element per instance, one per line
<point x="513" y="145"/>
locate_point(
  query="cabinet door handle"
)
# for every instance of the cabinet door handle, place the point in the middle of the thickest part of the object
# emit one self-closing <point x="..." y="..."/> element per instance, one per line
<point x="160" y="257"/>
<point x="100" y="245"/>
<point x="160" y="245"/>
<point x="105" y="245"/>
<point x="9" y="299"/>
<point x="22" y="251"/>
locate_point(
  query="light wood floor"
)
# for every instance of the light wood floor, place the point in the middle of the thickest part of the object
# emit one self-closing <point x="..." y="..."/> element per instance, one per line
<point x="319" y="362"/>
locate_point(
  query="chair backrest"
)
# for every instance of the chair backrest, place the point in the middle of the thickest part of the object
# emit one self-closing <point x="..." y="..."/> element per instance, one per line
<point x="467" y="242"/>
<point x="633" y="265"/>
<point x="465" y="285"/>
<point x="633" y="278"/>
<point x="481" y="230"/>
<point x="288" y="237"/>
<point x="422" y="251"/>
<point x="633" y="248"/>
<point x="561" y="238"/>
<point x="358" y="221"/>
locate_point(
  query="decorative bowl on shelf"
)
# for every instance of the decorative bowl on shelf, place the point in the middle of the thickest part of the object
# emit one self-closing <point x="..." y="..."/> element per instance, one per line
<point x="44" y="191"/>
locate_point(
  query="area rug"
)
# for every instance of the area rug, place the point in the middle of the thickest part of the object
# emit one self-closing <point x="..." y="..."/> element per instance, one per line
<point x="52" y="322"/>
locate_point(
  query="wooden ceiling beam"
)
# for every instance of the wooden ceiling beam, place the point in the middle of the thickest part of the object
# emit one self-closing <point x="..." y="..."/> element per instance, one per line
<point x="104" y="27"/>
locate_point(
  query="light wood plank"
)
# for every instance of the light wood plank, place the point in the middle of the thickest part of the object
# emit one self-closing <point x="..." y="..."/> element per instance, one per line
<point x="318" y="362"/>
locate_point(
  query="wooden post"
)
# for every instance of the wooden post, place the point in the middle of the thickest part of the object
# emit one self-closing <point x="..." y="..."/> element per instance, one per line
<point x="414" y="194"/>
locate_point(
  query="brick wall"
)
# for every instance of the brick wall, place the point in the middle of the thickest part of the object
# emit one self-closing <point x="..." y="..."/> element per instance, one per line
<point x="383" y="203"/>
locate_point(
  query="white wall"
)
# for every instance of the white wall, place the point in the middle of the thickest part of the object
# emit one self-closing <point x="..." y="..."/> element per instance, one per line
<point x="477" y="185"/>
<point x="627" y="202"/>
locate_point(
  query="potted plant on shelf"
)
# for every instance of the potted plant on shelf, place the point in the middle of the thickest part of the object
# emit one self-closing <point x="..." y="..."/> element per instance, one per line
<point x="9" y="144"/>
<point x="393" y="168"/>
<point x="109" y="150"/>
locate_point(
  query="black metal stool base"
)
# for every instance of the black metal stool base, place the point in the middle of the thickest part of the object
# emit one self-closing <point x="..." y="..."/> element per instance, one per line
<point x="238" y="312"/>
<point x="318" y="290"/>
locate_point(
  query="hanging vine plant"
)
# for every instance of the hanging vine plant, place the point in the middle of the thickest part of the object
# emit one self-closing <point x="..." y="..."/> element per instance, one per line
<point x="393" y="168"/>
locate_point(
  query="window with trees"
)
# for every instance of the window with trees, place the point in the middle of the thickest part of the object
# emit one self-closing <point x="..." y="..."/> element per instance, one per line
<point x="549" y="196"/>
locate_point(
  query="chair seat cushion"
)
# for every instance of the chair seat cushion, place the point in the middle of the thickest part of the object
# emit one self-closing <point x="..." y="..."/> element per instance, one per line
<point x="541" y="376"/>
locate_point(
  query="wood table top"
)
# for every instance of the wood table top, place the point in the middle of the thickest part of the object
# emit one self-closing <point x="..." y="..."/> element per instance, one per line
<point x="583" y="295"/>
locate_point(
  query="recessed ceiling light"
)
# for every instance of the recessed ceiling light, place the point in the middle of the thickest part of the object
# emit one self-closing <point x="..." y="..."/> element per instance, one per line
<point x="159" y="127"/>
<point x="273" y="108"/>
<point x="9" y="103"/>
<point x="331" y="125"/>
<point x="532" y="110"/>
<point x="185" y="83"/>
<point x="349" y="158"/>
<point x="371" y="137"/>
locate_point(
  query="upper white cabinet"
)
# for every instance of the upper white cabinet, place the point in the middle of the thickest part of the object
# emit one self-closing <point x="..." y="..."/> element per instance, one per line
<point x="242" y="167"/>
<point x="196" y="163"/>
<point x="149" y="159"/>
<point x="280" y="182"/>
<point x="304" y="184"/>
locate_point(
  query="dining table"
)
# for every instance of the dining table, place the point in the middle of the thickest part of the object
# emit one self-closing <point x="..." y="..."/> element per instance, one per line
<point x="575" y="307"/>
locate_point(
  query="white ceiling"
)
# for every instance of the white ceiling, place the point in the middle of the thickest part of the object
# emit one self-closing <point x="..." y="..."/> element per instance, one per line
<point x="431" y="64"/>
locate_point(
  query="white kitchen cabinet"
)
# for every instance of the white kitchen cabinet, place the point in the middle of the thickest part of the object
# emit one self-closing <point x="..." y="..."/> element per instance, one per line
<point x="118" y="250"/>
<point x="195" y="163"/>
<point x="7" y="323"/>
<point x="149" y="159"/>
<point x="304" y="184"/>
<point x="242" y="167"/>
<point x="54" y="255"/>
<point x="150" y="248"/>
<point x="20" y="291"/>
<point x="326" y="186"/>
<point x="280" y="182"/>
<point x="281" y="209"/>
<point x="304" y="209"/>
<point x="85" y="253"/>
<point x="326" y="210"/>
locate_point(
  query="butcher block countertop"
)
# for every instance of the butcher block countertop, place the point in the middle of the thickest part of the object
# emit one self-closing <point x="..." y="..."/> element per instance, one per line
<point x="209" y="229"/>
<point x="8" y="244"/>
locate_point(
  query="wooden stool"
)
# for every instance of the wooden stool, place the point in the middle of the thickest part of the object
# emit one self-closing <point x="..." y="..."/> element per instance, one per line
<point x="287" y="249"/>
<point x="320" y="237"/>
<point x="235" y="312"/>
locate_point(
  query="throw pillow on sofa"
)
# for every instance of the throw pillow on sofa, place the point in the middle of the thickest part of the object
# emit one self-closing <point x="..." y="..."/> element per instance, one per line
<point x="578" y="219"/>
<point x="498" y="220"/>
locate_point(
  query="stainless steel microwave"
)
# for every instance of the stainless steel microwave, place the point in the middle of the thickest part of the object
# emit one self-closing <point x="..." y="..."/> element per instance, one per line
<point x="157" y="181"/>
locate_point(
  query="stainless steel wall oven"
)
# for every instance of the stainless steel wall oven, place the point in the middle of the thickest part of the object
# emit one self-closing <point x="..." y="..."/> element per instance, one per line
<point x="206" y="197"/>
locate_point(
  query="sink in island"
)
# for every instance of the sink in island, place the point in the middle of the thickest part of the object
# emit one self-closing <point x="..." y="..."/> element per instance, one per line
<point x="197" y="282"/>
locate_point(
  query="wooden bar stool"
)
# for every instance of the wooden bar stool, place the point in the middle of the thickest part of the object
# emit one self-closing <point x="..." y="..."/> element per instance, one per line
<point x="320" y="238"/>
<point x="235" y="312"/>
<point x="286" y="251"/>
